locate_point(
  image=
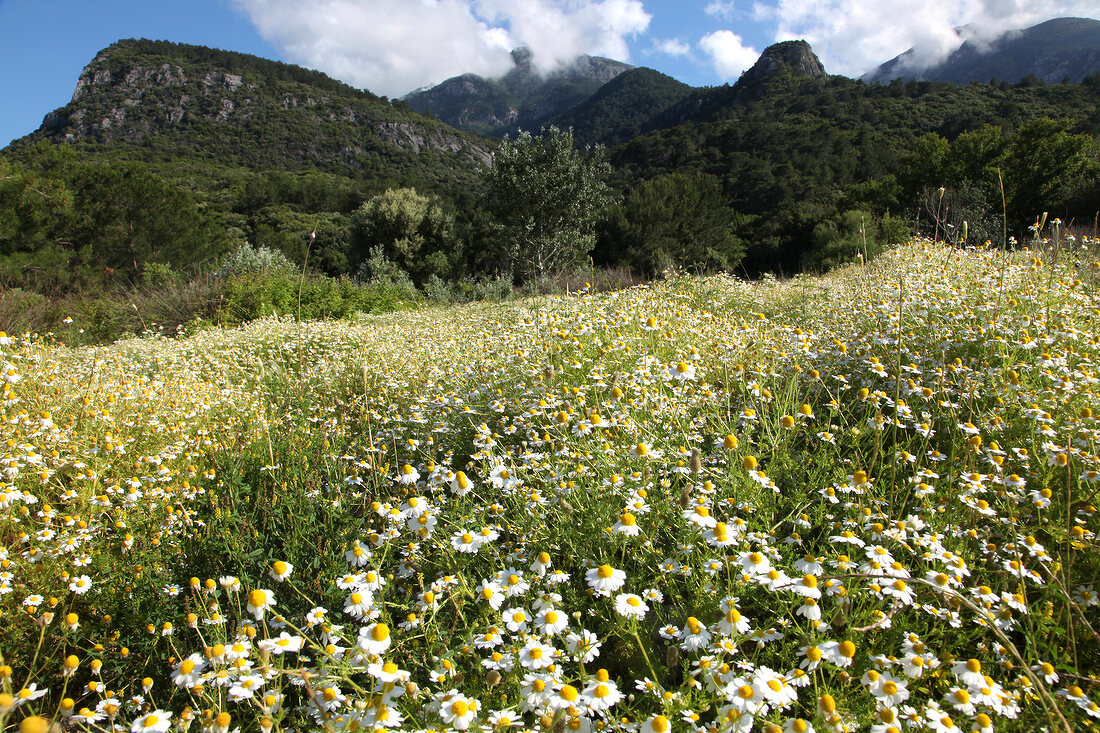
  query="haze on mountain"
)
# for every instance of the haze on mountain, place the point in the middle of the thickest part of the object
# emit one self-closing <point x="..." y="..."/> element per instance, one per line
<point x="524" y="98"/>
<point x="1062" y="49"/>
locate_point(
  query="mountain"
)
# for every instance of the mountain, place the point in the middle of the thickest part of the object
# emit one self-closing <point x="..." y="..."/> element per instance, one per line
<point x="625" y="107"/>
<point x="643" y="100"/>
<point x="523" y="98"/>
<point x="1055" y="51"/>
<point x="781" y="67"/>
<point x="155" y="100"/>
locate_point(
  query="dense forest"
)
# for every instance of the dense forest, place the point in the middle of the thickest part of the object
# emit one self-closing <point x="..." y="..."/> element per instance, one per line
<point x="172" y="157"/>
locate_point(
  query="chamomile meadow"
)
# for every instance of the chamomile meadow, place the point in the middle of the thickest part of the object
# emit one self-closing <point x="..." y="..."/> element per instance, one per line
<point x="864" y="501"/>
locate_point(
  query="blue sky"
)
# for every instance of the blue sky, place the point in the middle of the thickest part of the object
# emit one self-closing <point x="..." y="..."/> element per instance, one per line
<point x="394" y="46"/>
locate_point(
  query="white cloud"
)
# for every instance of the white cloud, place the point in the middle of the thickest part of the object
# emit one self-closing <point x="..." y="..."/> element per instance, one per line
<point x="854" y="36"/>
<point x="672" y="47"/>
<point x="719" y="8"/>
<point x="728" y="54"/>
<point x="394" y="46"/>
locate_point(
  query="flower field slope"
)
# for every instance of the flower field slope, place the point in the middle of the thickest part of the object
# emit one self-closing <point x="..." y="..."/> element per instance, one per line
<point x="857" y="502"/>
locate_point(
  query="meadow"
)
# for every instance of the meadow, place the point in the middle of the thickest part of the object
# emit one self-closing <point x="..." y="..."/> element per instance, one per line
<point x="862" y="501"/>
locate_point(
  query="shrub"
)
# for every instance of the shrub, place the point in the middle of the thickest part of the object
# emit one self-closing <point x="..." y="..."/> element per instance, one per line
<point x="249" y="260"/>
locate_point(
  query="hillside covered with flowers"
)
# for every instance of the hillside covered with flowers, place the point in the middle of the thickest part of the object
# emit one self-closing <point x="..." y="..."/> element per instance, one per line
<point x="864" y="501"/>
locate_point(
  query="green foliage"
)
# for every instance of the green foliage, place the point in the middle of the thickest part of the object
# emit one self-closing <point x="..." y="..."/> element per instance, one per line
<point x="832" y="144"/>
<point x="674" y="220"/>
<point x="546" y="197"/>
<point x="297" y="161"/>
<point x="625" y="107"/>
<point x="29" y="203"/>
<point x="411" y="230"/>
<point x="853" y="236"/>
<point x="250" y="260"/>
<point x="247" y="298"/>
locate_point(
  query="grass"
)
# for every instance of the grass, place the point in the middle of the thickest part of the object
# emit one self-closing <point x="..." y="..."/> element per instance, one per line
<point x="842" y="503"/>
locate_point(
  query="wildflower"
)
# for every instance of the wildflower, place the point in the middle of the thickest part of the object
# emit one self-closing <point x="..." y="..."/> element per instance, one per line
<point x="565" y="696"/>
<point x="503" y="719"/>
<point x="281" y="644"/>
<point x="536" y="690"/>
<point x="491" y="593"/>
<point x="259" y="602"/>
<point x="515" y="619"/>
<point x="458" y="711"/>
<point x="374" y="639"/>
<point x="601" y="694"/>
<point x="280" y="571"/>
<point x="732" y="622"/>
<point x="605" y="580"/>
<point x="694" y="635"/>
<point x="514" y="583"/>
<point x="80" y="585"/>
<point x="889" y="691"/>
<point x="839" y="653"/>
<point x="388" y="673"/>
<point x="535" y="655"/>
<point x="969" y="672"/>
<point x="630" y="605"/>
<point x="656" y="724"/>
<point x="357" y="556"/>
<point x="541" y="563"/>
<point x="681" y="371"/>
<point x="551" y="622"/>
<point x="627" y="525"/>
<point x="700" y="516"/>
<point x="246" y="687"/>
<point x="408" y="475"/>
<point x="158" y="721"/>
<point x="584" y="645"/>
<point x="460" y="484"/>
<point x="464" y="541"/>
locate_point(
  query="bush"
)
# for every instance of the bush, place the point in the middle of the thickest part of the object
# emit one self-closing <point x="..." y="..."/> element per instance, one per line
<point x="249" y="260"/>
<point x="248" y="298"/>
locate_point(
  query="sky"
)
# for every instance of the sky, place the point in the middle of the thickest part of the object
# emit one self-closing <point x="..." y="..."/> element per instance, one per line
<point x="392" y="47"/>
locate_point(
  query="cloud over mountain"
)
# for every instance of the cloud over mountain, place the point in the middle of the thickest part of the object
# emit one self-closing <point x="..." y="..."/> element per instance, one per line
<point x="854" y="36"/>
<point x="393" y="47"/>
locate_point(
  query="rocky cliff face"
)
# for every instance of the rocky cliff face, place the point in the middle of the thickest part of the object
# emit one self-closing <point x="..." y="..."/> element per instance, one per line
<point x="129" y="95"/>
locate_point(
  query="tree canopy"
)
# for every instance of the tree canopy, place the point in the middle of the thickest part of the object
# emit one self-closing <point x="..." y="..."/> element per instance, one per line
<point x="546" y="197"/>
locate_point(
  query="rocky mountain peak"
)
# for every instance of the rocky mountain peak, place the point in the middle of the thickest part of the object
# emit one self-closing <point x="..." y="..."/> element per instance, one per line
<point x="794" y="57"/>
<point x="784" y="60"/>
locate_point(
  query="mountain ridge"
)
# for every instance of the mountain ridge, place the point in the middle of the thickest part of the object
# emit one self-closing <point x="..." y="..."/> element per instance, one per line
<point x="147" y="95"/>
<point x="1056" y="50"/>
<point x="524" y="98"/>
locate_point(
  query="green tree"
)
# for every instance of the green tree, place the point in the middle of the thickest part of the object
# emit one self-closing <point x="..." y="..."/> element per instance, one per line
<point x="1049" y="169"/>
<point x="130" y="216"/>
<point x="546" y="196"/>
<point x="679" y="219"/>
<point x="413" y="231"/>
